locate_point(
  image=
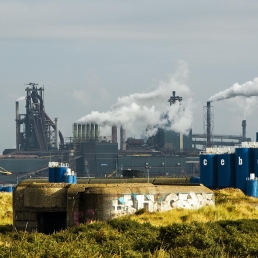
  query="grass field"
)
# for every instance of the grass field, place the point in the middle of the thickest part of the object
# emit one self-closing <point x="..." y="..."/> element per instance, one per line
<point x="6" y="209"/>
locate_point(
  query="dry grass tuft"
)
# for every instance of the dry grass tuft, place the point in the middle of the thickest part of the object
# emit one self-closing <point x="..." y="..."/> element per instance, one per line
<point x="6" y="209"/>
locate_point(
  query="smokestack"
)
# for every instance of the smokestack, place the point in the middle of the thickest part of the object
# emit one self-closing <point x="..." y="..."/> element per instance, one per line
<point x="181" y="145"/>
<point x="122" y="139"/>
<point x="88" y="132"/>
<point x="83" y="131"/>
<point x="92" y="133"/>
<point x="57" y="133"/>
<point x="79" y="131"/>
<point x="96" y="132"/>
<point x="17" y="125"/>
<point x="208" y="124"/>
<point x="114" y="134"/>
<point x="75" y="135"/>
<point x="244" y="130"/>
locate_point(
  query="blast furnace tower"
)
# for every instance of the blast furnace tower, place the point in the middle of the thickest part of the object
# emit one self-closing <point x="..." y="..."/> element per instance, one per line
<point x="35" y="131"/>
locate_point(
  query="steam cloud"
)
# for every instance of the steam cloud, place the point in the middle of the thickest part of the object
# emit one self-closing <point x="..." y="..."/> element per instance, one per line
<point x="21" y="98"/>
<point x="151" y="109"/>
<point x="248" y="89"/>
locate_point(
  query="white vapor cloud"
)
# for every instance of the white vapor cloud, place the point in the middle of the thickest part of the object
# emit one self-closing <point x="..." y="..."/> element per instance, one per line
<point x="21" y="98"/>
<point x="139" y="110"/>
<point x="247" y="89"/>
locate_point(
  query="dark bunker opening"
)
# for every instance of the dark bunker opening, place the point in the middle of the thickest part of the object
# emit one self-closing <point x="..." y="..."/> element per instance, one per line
<point x="50" y="222"/>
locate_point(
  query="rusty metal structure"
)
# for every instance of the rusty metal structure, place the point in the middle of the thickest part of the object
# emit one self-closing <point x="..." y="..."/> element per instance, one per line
<point x="35" y="131"/>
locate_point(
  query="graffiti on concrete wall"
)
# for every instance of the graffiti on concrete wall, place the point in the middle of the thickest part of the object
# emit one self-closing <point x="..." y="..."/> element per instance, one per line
<point x="129" y="204"/>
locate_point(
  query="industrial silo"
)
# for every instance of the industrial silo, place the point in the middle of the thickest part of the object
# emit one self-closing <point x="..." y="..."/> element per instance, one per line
<point x="225" y="170"/>
<point x="251" y="186"/>
<point x="208" y="170"/>
<point x="255" y="162"/>
<point x="242" y="167"/>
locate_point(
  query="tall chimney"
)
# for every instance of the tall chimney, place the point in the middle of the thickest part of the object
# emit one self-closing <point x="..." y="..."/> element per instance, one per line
<point x="122" y="139"/>
<point x="96" y="132"/>
<point x="244" y="130"/>
<point x="114" y="134"/>
<point x="88" y="132"/>
<point x="79" y="131"/>
<point x="56" y="133"/>
<point x="75" y="134"/>
<point x="208" y="124"/>
<point x="17" y="125"/>
<point x="92" y="133"/>
<point x="83" y="132"/>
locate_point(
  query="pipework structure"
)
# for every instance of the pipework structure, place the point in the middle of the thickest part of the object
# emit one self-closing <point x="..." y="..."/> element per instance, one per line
<point x="174" y="98"/>
<point x="85" y="132"/>
<point x="208" y="124"/>
<point x="35" y="131"/>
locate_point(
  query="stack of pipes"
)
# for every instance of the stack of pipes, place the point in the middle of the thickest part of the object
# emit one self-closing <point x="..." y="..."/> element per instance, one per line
<point x="84" y="132"/>
<point x="122" y="139"/>
<point x="114" y="134"/>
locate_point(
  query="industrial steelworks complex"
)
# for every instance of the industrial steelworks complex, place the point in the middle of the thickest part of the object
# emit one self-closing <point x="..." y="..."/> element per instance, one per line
<point x="63" y="181"/>
<point x="167" y="153"/>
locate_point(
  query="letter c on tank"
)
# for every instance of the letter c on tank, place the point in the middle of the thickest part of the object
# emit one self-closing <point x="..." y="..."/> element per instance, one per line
<point x="222" y="162"/>
<point x="205" y="162"/>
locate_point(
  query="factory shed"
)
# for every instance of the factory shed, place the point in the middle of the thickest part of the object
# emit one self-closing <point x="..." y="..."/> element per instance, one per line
<point x="48" y="207"/>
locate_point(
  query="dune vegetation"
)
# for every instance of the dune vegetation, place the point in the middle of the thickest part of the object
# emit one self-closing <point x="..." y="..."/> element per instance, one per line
<point x="6" y="209"/>
<point x="228" y="229"/>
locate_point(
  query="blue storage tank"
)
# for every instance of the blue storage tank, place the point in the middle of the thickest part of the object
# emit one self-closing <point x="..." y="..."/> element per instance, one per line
<point x="74" y="177"/>
<point x="251" y="187"/>
<point x="242" y="167"/>
<point x="59" y="173"/>
<point x="7" y="189"/>
<point x="194" y="180"/>
<point x="51" y="174"/>
<point x="208" y="170"/>
<point x="255" y="162"/>
<point x="68" y="178"/>
<point x="225" y="170"/>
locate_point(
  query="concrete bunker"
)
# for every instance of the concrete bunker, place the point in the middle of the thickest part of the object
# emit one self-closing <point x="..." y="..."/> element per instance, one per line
<point x="48" y="207"/>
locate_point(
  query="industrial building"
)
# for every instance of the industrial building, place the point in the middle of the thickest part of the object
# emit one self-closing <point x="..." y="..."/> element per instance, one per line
<point x="165" y="154"/>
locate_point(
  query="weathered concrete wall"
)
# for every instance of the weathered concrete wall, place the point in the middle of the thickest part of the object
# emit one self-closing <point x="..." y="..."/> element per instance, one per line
<point x="31" y="198"/>
<point x="103" y="202"/>
<point x="83" y="203"/>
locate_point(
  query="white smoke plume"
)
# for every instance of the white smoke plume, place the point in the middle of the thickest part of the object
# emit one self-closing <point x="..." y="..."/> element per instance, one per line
<point x="152" y="109"/>
<point x="247" y="89"/>
<point x="249" y="105"/>
<point x="21" y="98"/>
